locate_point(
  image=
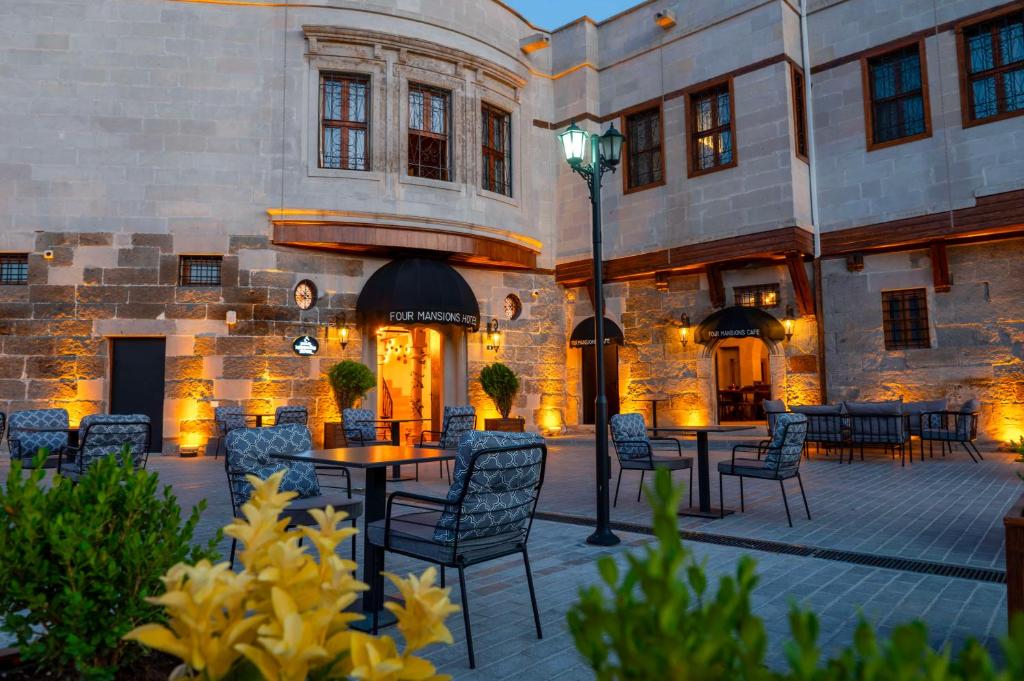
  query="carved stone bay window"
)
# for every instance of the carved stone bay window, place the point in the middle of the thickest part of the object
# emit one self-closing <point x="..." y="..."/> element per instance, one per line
<point x="344" y="122"/>
<point x="429" y="132"/>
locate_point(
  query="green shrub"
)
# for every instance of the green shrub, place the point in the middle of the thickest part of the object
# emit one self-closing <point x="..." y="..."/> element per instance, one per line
<point x="658" y="619"/>
<point x="78" y="560"/>
<point x="349" y="382"/>
<point x="501" y="385"/>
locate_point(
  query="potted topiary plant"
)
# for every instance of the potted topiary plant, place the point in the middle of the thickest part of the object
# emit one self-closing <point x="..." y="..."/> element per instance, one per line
<point x="501" y="385"/>
<point x="349" y="381"/>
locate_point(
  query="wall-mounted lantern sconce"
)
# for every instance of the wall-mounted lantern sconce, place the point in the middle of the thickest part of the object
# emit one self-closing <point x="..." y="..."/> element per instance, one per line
<point x="231" y="317"/>
<point x="493" y="335"/>
<point x="788" y="322"/>
<point x="341" y="324"/>
<point x="684" y="329"/>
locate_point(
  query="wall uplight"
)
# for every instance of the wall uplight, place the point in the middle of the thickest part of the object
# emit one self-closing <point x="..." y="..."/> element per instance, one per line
<point x="493" y="335"/>
<point x="788" y="322"/>
<point x="231" y="317"/>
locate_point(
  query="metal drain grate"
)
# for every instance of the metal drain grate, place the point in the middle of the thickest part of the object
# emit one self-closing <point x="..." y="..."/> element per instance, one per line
<point x="854" y="557"/>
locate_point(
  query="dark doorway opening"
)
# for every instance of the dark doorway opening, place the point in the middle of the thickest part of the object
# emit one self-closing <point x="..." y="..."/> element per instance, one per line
<point x="137" y="382"/>
<point x="611" y="381"/>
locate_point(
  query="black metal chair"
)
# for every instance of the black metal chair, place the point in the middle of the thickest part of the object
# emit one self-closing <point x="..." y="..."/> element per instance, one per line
<point x="250" y="451"/>
<point x="879" y="424"/>
<point x="827" y="428"/>
<point x="362" y="429"/>
<point x="635" y="451"/>
<point x="457" y="421"/>
<point x="952" y="427"/>
<point x="226" y="419"/>
<point x="487" y="513"/>
<point x="35" y="429"/>
<point x="101" y="435"/>
<point x="285" y="415"/>
<point x="781" y="461"/>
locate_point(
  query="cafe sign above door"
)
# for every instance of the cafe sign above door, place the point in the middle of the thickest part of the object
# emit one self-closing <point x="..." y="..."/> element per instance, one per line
<point x="739" y="322"/>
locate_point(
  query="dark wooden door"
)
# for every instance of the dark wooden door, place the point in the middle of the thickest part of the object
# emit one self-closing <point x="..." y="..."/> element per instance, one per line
<point x="611" y="381"/>
<point x="137" y="382"/>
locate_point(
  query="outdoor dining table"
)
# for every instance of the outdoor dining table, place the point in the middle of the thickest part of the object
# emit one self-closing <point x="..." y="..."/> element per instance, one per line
<point x="396" y="439"/>
<point x="258" y="418"/>
<point x="72" y="432"/>
<point x="375" y="460"/>
<point x="704" y="509"/>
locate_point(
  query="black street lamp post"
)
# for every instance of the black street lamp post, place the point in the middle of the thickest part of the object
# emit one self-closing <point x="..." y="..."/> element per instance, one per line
<point x="605" y="152"/>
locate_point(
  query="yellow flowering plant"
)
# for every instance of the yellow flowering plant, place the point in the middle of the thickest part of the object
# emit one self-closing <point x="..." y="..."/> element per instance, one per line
<point x="284" y="617"/>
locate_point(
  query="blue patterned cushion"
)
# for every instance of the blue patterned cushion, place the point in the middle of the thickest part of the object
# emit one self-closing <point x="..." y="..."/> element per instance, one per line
<point x="457" y="422"/>
<point x="286" y="415"/>
<point x="249" y="452"/>
<point x="629" y="434"/>
<point x="500" y="495"/>
<point x="103" y="434"/>
<point x="359" y="425"/>
<point x="229" y="418"/>
<point x="787" y="445"/>
<point x="24" y="444"/>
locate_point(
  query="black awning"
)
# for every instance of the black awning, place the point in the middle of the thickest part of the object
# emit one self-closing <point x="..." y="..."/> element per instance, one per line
<point x="739" y="322"/>
<point x="584" y="334"/>
<point x="418" y="291"/>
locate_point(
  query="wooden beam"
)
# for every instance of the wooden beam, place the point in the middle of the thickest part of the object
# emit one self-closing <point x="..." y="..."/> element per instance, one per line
<point x="801" y="287"/>
<point x="716" y="290"/>
<point x="940" y="267"/>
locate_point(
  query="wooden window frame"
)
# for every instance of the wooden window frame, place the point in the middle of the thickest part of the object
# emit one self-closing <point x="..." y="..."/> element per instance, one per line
<point x="430" y="92"/>
<point x="344" y="124"/>
<point x="185" y="270"/>
<point x="799" y="103"/>
<point x="904" y="322"/>
<point x="869" y="118"/>
<point x="689" y="95"/>
<point x="624" y="117"/>
<point x="966" y="108"/>
<point x="757" y="291"/>
<point x="489" y="156"/>
<point x="15" y="259"/>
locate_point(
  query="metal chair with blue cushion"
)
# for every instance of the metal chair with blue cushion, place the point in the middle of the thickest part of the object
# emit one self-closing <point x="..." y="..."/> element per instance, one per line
<point x="952" y="427"/>
<point x="250" y="451"/>
<point x="35" y="429"/>
<point x="101" y="435"/>
<point x="285" y="415"/>
<point x="486" y="515"/>
<point x="635" y="451"/>
<point x="456" y="422"/>
<point x="781" y="461"/>
<point x="362" y="429"/>
<point x="226" y="419"/>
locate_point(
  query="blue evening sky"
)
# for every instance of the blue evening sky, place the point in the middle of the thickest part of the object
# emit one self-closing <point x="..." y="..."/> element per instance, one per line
<point x="550" y="14"/>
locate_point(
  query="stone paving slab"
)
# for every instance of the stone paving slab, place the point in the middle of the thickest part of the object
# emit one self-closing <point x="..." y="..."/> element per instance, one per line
<point x="507" y="648"/>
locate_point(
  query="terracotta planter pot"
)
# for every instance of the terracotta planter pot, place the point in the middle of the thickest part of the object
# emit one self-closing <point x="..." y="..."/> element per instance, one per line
<point x="1013" y="526"/>
<point x="334" y="435"/>
<point x="506" y="425"/>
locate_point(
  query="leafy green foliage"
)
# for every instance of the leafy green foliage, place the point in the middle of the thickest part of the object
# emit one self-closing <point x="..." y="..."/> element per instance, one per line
<point x="658" y="619"/>
<point x="78" y="560"/>
<point x="501" y="384"/>
<point x="350" y="381"/>
<point x="1017" y="447"/>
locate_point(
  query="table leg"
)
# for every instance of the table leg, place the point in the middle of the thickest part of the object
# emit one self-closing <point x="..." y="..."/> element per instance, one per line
<point x="654" y="416"/>
<point x="704" y="508"/>
<point x="396" y="439"/>
<point x="374" y="508"/>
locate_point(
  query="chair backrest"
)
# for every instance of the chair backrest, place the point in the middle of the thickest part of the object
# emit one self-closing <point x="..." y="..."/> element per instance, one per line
<point x="229" y="418"/>
<point x="457" y="421"/>
<point x="772" y="409"/>
<point x="495" y="487"/>
<point x="787" y="445"/>
<point x="24" y="443"/>
<point x="967" y="420"/>
<point x="629" y="436"/>
<point x="826" y="428"/>
<point x="286" y="415"/>
<point x="359" y="425"/>
<point x="881" y="423"/>
<point x="102" y="434"/>
<point x="916" y="412"/>
<point x="250" y="450"/>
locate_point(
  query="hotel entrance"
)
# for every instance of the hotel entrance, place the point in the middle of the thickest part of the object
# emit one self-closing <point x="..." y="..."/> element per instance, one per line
<point x="410" y="379"/>
<point x="583" y="337"/>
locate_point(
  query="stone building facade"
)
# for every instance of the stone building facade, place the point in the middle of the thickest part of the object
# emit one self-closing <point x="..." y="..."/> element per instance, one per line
<point x="139" y="133"/>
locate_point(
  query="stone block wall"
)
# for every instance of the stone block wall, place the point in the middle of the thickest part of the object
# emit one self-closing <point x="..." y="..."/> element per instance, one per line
<point x="976" y="333"/>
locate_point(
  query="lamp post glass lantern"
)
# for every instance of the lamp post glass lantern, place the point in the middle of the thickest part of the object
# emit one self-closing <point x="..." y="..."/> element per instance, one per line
<point x="605" y="152"/>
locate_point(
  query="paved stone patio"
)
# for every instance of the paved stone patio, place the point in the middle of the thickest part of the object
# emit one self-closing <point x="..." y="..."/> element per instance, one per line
<point x="944" y="510"/>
